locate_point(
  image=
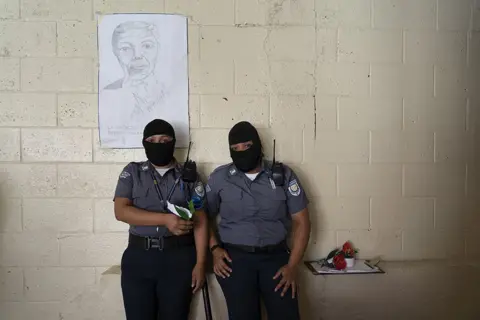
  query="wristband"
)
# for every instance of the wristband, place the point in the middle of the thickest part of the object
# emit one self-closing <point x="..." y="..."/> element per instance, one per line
<point x="214" y="247"/>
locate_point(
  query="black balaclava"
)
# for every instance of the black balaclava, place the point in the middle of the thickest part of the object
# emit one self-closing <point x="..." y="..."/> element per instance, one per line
<point x="249" y="159"/>
<point x="159" y="154"/>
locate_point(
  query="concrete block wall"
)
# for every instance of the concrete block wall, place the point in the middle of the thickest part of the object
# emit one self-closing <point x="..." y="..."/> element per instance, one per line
<point x="375" y="104"/>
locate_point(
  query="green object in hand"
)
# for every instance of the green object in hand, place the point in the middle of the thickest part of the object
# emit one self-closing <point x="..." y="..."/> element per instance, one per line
<point x="183" y="214"/>
<point x="191" y="207"/>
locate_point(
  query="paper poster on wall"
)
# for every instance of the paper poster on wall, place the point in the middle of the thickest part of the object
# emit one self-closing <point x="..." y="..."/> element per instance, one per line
<point x="143" y="75"/>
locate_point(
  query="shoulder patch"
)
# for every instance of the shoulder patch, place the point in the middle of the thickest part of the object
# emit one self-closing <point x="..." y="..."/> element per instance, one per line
<point x="124" y="175"/>
<point x="199" y="189"/>
<point x="294" y="188"/>
<point x="207" y="188"/>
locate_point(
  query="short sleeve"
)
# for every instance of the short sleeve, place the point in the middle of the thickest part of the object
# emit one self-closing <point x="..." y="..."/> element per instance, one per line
<point x="125" y="183"/>
<point x="296" y="197"/>
<point x="198" y="194"/>
<point x="213" y="199"/>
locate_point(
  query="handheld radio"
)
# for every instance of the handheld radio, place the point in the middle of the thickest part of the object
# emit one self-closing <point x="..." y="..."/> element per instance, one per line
<point x="278" y="172"/>
<point x="189" y="172"/>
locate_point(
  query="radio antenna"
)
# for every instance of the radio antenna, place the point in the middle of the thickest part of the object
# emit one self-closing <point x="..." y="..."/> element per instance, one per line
<point x="273" y="152"/>
<point x="188" y="152"/>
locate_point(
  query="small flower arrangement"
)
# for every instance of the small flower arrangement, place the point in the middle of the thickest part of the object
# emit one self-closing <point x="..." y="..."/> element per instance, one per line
<point x="337" y="259"/>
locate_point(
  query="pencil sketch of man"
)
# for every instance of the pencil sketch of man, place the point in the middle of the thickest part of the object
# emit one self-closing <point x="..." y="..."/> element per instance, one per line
<point x="136" y="45"/>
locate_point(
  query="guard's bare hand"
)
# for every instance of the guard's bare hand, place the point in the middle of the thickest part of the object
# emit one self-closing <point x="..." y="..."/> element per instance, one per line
<point x="220" y="267"/>
<point x="198" y="277"/>
<point x="179" y="226"/>
<point x="288" y="280"/>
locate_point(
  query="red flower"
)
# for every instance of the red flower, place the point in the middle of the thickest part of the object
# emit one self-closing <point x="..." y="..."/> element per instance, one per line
<point x="339" y="262"/>
<point x="348" y="249"/>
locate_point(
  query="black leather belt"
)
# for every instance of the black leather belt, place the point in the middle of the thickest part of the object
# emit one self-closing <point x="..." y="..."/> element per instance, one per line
<point x="275" y="248"/>
<point x="148" y="243"/>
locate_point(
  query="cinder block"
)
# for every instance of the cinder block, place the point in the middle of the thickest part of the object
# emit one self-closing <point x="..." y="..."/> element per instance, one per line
<point x="11" y="213"/>
<point x="435" y="114"/>
<point x="471" y="243"/>
<point x="430" y="180"/>
<point x="55" y="74"/>
<point x="204" y="12"/>
<point x="473" y="182"/>
<point x="11" y="286"/>
<point x="476" y="20"/>
<point x="77" y="39"/>
<point x="215" y="151"/>
<point x="405" y="213"/>
<point x="58" y="215"/>
<point x="321" y="242"/>
<point x="402" y="80"/>
<point x="402" y="147"/>
<point x="210" y="76"/>
<point x="9" y="144"/>
<point x="31" y="180"/>
<point x="30" y="310"/>
<point x="105" y="220"/>
<point x="336" y="13"/>
<point x="386" y="243"/>
<point x="454" y="14"/>
<point x="292" y="77"/>
<point x="319" y="180"/>
<point x="27" y="109"/>
<point x="289" y="143"/>
<point x="326" y="113"/>
<point x="291" y="44"/>
<point x="78" y="110"/>
<point x="29" y="249"/>
<point x="9" y="74"/>
<point x="369" y="180"/>
<point x="453" y="213"/>
<point x="289" y="12"/>
<point x="23" y="39"/>
<point x="327" y="45"/>
<point x="225" y="43"/>
<point x="405" y="14"/>
<point x="65" y="145"/>
<point x="10" y="9"/>
<point x="114" y="155"/>
<point x="474" y="49"/>
<point x="363" y="45"/>
<point x="334" y="213"/>
<point x="370" y="114"/>
<point x="292" y="112"/>
<point x="57" y="9"/>
<point x="343" y="79"/>
<point x="451" y="81"/>
<point x="54" y="284"/>
<point x="193" y="42"/>
<point x="438" y="47"/>
<point x="194" y="111"/>
<point x="128" y="6"/>
<point x="225" y="110"/>
<point x="342" y="147"/>
<point x="88" y="180"/>
<point x="92" y="250"/>
<point x="252" y="76"/>
<point x="433" y="244"/>
<point x="454" y="147"/>
<point x="473" y="115"/>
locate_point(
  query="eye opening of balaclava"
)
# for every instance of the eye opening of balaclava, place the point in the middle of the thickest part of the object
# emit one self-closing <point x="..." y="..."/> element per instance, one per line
<point x="249" y="159"/>
<point x="159" y="154"/>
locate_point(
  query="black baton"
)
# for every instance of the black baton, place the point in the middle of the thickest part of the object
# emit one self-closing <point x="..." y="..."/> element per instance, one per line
<point x="206" y="301"/>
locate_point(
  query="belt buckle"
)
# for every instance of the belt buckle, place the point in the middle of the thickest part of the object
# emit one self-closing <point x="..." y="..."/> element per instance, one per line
<point x="155" y="243"/>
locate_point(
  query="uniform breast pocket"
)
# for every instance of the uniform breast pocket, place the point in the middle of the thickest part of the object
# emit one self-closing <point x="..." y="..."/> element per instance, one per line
<point x="274" y="204"/>
<point x="145" y="198"/>
<point x="231" y="203"/>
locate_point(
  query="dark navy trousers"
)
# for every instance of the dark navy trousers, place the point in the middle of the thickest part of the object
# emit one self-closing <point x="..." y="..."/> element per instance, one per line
<point x="157" y="285"/>
<point x="251" y="280"/>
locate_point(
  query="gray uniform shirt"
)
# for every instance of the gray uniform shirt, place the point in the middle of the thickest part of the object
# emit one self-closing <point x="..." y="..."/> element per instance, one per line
<point x="137" y="184"/>
<point x="253" y="213"/>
